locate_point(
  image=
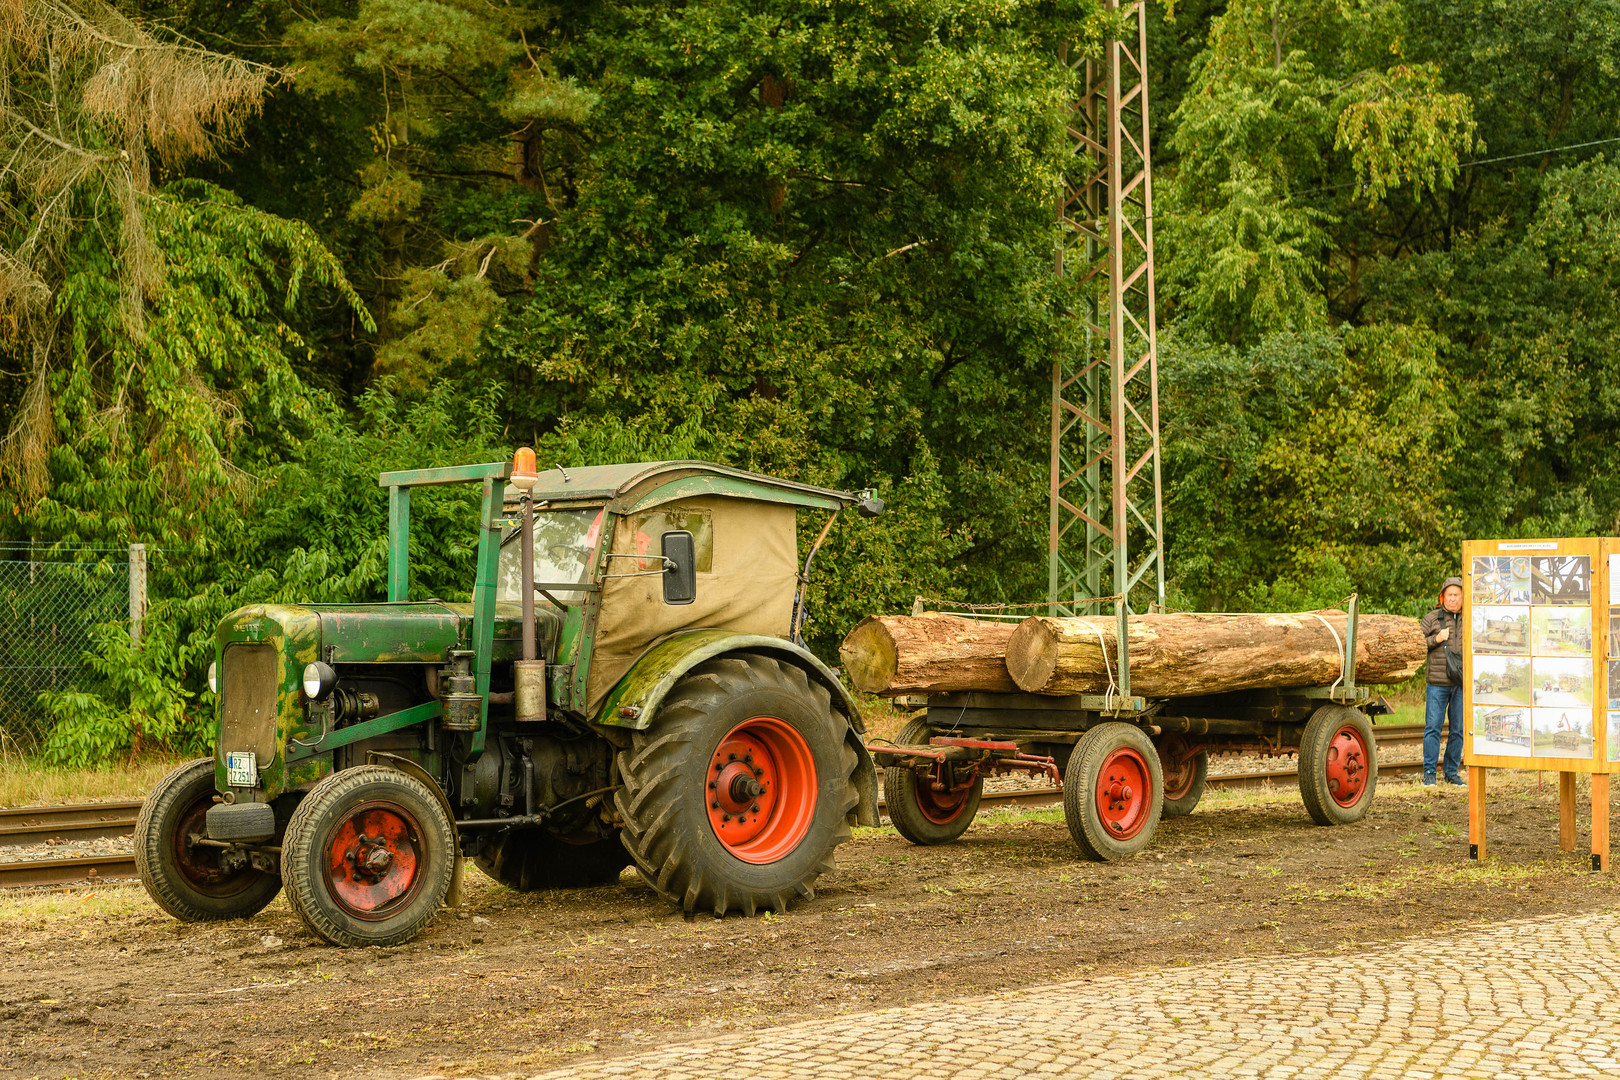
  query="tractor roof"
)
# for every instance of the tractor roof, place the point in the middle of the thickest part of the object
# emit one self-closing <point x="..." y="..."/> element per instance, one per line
<point x="637" y="485"/>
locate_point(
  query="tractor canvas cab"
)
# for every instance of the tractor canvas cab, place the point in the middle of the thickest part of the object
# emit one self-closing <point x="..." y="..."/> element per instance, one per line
<point x="626" y="686"/>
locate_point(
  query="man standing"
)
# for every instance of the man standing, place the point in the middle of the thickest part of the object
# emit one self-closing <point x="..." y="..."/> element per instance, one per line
<point x="1442" y="632"/>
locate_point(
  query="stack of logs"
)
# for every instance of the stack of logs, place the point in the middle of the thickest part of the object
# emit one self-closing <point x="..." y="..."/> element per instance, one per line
<point x="1170" y="655"/>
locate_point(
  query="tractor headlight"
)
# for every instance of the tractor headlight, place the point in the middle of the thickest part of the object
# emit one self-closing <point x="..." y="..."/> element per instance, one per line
<point x="213" y="676"/>
<point x="319" y="679"/>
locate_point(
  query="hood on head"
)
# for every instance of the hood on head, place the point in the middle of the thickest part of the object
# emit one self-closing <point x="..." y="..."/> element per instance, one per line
<point x="1448" y="583"/>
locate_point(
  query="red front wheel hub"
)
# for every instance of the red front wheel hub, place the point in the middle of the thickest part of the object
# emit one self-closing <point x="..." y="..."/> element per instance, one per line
<point x="761" y="790"/>
<point x="1124" y="793"/>
<point x="373" y="860"/>
<point x="1346" y="766"/>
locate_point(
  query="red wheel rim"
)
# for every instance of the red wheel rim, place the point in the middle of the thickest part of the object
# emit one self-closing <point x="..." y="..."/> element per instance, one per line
<point x="1179" y="768"/>
<point x="1347" y="766"/>
<point x="939" y="807"/>
<point x="761" y="790"/>
<point x="1124" y="793"/>
<point x="374" y="860"/>
<point x="200" y="865"/>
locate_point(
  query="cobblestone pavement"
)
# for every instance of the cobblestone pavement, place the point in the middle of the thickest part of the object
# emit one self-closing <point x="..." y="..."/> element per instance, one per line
<point x="1536" y="998"/>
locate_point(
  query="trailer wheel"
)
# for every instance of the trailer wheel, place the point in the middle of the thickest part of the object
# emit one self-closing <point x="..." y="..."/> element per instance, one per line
<point x="1184" y="776"/>
<point x="736" y="796"/>
<point x="1113" y="791"/>
<point x="1338" y="765"/>
<point x="183" y="878"/>
<point x="919" y="813"/>
<point x="530" y="859"/>
<point x="368" y="857"/>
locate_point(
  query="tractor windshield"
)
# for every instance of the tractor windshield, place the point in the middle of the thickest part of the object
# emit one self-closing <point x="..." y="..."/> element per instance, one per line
<point x="564" y="542"/>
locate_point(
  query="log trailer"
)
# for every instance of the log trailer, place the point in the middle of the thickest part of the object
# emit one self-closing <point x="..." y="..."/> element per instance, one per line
<point x="627" y="685"/>
<point x="1126" y="761"/>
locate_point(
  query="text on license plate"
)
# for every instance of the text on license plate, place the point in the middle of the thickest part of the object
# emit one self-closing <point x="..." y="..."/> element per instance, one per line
<point x="241" y="769"/>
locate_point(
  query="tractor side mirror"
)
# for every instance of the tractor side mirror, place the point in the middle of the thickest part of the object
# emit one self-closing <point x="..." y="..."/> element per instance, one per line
<point x="680" y="567"/>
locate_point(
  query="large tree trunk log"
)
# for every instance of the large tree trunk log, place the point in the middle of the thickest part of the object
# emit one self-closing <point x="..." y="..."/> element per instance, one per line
<point x="1188" y="655"/>
<point x="927" y="654"/>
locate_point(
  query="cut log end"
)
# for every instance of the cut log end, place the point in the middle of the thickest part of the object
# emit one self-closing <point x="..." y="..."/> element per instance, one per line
<point x="1032" y="655"/>
<point x="869" y="656"/>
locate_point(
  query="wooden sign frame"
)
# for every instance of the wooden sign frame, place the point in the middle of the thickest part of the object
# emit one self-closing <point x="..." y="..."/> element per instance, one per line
<point x="1538" y="661"/>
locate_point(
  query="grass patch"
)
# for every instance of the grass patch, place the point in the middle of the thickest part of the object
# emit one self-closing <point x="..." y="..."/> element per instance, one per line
<point x="32" y="908"/>
<point x="28" y="783"/>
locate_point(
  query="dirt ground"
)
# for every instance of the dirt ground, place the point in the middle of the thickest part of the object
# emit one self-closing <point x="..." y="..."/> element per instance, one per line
<point x="108" y="986"/>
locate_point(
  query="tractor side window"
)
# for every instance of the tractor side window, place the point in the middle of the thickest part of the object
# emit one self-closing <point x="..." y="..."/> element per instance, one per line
<point x="564" y="542"/>
<point x="649" y="529"/>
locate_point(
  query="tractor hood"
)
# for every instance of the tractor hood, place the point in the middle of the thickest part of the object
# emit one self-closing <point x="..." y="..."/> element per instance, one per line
<point x="403" y="633"/>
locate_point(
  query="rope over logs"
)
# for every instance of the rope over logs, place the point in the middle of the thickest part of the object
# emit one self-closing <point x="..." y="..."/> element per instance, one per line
<point x="1180" y="655"/>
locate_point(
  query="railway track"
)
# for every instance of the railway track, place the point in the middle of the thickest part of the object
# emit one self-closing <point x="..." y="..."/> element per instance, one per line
<point x="26" y="826"/>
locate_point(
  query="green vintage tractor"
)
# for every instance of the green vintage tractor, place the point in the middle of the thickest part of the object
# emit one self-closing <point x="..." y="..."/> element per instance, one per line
<point x="627" y="685"/>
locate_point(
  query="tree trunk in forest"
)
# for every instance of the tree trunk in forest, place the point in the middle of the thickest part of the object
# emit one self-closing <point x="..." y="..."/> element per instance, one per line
<point x="927" y="654"/>
<point x="1188" y="655"/>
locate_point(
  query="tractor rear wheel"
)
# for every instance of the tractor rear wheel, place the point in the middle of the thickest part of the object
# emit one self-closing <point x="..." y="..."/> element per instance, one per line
<point x="368" y="857"/>
<point x="1113" y="791"/>
<point x="919" y="813"/>
<point x="1338" y="765"/>
<point x="189" y="880"/>
<point x="530" y="859"/>
<point x="736" y="796"/>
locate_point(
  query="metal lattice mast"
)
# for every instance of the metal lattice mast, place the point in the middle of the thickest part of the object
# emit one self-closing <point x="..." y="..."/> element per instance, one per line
<point x="1106" y="516"/>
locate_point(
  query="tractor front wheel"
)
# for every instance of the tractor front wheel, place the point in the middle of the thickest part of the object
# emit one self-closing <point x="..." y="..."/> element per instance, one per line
<point x="191" y="881"/>
<point x="736" y="796"/>
<point x="368" y="857"/>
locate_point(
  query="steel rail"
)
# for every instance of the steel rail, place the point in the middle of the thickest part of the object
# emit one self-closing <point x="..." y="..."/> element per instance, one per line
<point x="32" y="824"/>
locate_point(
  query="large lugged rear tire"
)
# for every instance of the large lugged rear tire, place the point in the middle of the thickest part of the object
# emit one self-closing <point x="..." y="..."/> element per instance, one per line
<point x="736" y="796"/>
<point x="530" y="859"/>
<point x="1113" y="791"/>
<point x="1338" y="765"/>
<point x="184" y="879"/>
<point x="368" y="857"/>
<point x="919" y="813"/>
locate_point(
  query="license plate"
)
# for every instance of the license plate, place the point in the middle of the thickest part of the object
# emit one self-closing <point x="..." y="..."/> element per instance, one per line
<point x="242" y="769"/>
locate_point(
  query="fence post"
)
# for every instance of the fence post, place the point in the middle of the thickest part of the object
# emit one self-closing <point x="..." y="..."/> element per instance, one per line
<point x="137" y="591"/>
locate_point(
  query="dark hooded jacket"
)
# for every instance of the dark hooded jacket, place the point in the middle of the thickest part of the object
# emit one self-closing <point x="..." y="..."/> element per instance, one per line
<point x="1435" y="621"/>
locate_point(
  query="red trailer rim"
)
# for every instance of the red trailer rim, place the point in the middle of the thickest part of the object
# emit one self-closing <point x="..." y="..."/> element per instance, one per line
<point x="1124" y="793"/>
<point x="1346" y="766"/>
<point x="374" y="861"/>
<point x="761" y="790"/>
<point x="939" y="807"/>
<point x="1180" y="769"/>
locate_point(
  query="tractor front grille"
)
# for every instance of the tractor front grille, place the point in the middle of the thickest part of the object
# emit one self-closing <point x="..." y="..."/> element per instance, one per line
<point x="247" y="700"/>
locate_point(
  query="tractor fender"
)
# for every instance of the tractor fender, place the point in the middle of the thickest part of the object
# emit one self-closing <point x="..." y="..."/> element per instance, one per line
<point x="633" y="703"/>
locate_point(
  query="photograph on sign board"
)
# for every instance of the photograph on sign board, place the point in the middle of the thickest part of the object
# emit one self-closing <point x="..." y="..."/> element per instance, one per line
<point x="1614" y="736"/>
<point x="1501" y="579"/>
<point x="1561" y="681"/>
<point x="1501" y="730"/>
<point x="1562" y="733"/>
<point x="1614" y="631"/>
<point x="1504" y="631"/>
<point x="1501" y="680"/>
<point x="1560" y="579"/>
<point x="1614" y="579"/>
<point x="1561" y="631"/>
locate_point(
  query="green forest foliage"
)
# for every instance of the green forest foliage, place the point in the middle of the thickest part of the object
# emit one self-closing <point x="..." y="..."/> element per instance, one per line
<point x="252" y="254"/>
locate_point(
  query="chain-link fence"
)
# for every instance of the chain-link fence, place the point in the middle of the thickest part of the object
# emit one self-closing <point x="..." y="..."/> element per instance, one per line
<point x="48" y="605"/>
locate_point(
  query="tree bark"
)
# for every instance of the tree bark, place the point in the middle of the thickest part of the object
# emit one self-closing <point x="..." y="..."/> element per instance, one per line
<point x="1189" y="655"/>
<point x="927" y="654"/>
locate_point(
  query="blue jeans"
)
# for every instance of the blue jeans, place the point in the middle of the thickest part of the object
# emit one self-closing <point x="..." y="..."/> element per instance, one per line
<point x="1443" y="700"/>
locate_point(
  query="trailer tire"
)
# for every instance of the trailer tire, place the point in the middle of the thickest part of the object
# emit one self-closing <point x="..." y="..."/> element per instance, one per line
<point x="184" y="880"/>
<point x="409" y="862"/>
<point x="1113" y="791"/>
<point x="686" y="780"/>
<point x="529" y="859"/>
<point x="919" y="814"/>
<point x="1338" y="765"/>
<point x="1184" y="777"/>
